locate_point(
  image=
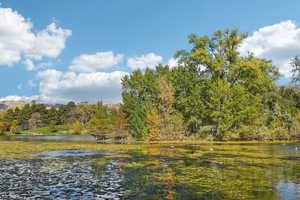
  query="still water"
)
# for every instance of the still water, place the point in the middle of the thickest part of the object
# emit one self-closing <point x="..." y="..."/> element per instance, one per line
<point x="202" y="171"/>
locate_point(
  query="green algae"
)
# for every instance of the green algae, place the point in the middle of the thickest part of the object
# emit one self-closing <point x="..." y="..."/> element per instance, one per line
<point x="209" y="172"/>
<point x="186" y="171"/>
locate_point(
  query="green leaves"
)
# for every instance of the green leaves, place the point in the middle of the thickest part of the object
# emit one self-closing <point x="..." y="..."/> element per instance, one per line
<point x="213" y="87"/>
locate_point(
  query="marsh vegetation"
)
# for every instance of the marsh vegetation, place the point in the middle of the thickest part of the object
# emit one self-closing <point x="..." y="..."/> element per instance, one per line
<point x="152" y="171"/>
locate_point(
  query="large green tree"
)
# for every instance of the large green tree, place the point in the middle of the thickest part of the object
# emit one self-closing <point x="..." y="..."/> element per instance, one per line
<point x="216" y="86"/>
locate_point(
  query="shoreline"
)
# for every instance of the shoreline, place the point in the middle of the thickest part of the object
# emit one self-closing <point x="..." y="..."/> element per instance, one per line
<point x="132" y="142"/>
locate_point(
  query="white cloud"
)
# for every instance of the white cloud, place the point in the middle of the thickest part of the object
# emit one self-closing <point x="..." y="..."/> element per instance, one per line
<point x="29" y="64"/>
<point x="60" y="87"/>
<point x="94" y="62"/>
<point x="18" y="40"/>
<point x="49" y="42"/>
<point x="19" y="98"/>
<point x="278" y="42"/>
<point x="45" y="64"/>
<point x="15" y="36"/>
<point x="145" y="61"/>
<point x="173" y="63"/>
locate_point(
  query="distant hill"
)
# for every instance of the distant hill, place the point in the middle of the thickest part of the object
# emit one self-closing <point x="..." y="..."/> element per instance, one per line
<point x="4" y="105"/>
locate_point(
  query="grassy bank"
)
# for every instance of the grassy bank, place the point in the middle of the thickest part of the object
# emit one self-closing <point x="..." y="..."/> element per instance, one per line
<point x="59" y="130"/>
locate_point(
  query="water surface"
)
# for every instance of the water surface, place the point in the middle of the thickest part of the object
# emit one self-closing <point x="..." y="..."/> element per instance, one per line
<point x="202" y="171"/>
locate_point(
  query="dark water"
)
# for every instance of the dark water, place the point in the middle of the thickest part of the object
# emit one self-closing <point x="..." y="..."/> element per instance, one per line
<point x="151" y="172"/>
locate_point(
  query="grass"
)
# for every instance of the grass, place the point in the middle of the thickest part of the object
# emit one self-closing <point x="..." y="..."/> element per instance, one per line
<point x="32" y="147"/>
<point x="62" y="129"/>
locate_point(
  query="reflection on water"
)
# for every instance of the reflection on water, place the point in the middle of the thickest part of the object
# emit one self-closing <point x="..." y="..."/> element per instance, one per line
<point x="228" y="172"/>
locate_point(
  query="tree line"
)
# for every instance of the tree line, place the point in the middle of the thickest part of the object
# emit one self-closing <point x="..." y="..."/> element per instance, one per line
<point x="75" y="118"/>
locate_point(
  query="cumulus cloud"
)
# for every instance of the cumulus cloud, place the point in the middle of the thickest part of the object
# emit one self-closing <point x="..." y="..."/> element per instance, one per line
<point x="17" y="39"/>
<point x="49" y="42"/>
<point x="149" y="60"/>
<point x="94" y="62"/>
<point x="19" y="98"/>
<point x="279" y="42"/>
<point x="15" y="36"/>
<point x="56" y="86"/>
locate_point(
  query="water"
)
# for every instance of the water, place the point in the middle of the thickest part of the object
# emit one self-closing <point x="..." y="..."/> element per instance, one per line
<point x="86" y="170"/>
<point x="289" y="190"/>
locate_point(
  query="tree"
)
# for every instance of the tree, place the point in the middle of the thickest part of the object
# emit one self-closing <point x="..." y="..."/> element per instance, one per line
<point x="100" y="122"/>
<point x="120" y="121"/>
<point x="295" y="63"/>
<point x="139" y="93"/>
<point x="52" y="126"/>
<point x="24" y="116"/>
<point x="4" y="126"/>
<point x="212" y="86"/>
<point x="52" y="115"/>
<point x="154" y="122"/>
<point x="14" y="128"/>
<point x="10" y="115"/>
<point x="215" y="78"/>
<point x="172" y="126"/>
<point x="64" y="112"/>
<point x="85" y="112"/>
<point x="77" y="128"/>
<point x="35" y="121"/>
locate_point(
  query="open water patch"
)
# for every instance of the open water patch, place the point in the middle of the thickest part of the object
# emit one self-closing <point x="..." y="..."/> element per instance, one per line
<point x="289" y="190"/>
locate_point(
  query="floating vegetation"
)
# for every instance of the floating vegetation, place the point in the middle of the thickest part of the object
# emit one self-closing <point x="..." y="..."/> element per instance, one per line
<point x="182" y="171"/>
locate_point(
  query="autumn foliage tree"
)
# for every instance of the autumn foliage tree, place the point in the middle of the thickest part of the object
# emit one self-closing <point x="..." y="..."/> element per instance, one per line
<point x="4" y="126"/>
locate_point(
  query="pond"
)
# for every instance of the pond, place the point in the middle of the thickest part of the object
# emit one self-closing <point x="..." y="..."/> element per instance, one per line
<point x="86" y="170"/>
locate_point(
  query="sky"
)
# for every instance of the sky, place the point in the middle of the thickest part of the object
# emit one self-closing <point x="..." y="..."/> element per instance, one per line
<point x="62" y="50"/>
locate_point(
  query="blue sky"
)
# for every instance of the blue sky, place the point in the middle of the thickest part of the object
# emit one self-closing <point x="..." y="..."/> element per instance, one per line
<point x="105" y="35"/>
